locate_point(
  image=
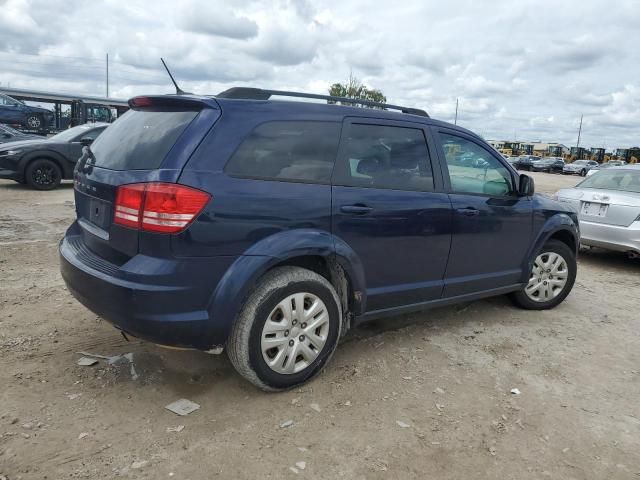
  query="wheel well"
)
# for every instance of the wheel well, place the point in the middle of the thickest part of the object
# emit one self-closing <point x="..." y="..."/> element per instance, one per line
<point x="565" y="237"/>
<point x="334" y="273"/>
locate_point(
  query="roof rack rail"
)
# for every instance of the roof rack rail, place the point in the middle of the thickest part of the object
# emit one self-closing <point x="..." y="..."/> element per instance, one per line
<point x="247" y="93"/>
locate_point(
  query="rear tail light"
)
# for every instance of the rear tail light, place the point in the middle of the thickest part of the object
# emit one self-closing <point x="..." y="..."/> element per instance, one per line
<point x="158" y="207"/>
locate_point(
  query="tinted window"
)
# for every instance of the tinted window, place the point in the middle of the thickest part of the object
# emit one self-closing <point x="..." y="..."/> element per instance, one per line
<point x="472" y="169"/>
<point x="379" y="156"/>
<point x="140" y="139"/>
<point x="295" y="151"/>
<point x="71" y="133"/>
<point x="92" y="134"/>
<point x="4" y="100"/>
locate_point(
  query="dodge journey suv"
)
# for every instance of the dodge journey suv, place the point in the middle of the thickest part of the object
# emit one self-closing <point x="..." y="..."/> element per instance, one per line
<point x="270" y="228"/>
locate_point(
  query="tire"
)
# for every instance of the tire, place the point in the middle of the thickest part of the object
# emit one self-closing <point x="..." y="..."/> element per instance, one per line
<point x="583" y="173"/>
<point x="275" y="289"/>
<point x="524" y="300"/>
<point x="43" y="174"/>
<point x="34" y="122"/>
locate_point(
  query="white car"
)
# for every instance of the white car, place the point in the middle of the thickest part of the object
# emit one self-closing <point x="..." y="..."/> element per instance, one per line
<point x="608" y="205"/>
<point x="580" y="167"/>
<point x="612" y="163"/>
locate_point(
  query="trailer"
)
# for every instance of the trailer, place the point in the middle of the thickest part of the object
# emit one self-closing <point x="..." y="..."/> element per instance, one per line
<point x="83" y="108"/>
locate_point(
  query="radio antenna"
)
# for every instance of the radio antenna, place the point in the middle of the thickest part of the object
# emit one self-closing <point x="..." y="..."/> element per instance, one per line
<point x="179" y="91"/>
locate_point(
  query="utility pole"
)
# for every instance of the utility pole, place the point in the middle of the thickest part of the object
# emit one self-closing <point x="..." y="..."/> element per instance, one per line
<point x="107" y="75"/>
<point x="455" y="121"/>
<point x="579" y="133"/>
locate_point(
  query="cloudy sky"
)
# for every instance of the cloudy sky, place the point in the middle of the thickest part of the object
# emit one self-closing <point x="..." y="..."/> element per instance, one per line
<point x="523" y="68"/>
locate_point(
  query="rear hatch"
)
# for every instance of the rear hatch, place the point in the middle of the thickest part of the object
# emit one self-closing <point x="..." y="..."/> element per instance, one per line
<point x="610" y="196"/>
<point x="150" y="143"/>
<point x="609" y="207"/>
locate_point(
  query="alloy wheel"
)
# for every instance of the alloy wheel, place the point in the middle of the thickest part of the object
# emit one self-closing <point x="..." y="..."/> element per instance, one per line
<point x="548" y="277"/>
<point x="295" y="333"/>
<point x="34" y="122"/>
<point x="45" y="175"/>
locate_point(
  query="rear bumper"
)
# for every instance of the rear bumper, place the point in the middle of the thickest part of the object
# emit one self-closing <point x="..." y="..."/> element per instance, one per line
<point x="611" y="237"/>
<point x="164" y="301"/>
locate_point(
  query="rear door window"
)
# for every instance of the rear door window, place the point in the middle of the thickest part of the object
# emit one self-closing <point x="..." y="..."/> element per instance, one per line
<point x="380" y="156"/>
<point x="303" y="151"/>
<point x="140" y="139"/>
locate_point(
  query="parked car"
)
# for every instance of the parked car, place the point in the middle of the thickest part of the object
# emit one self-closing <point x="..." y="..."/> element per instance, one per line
<point x="579" y="167"/>
<point x="8" y="134"/>
<point x="609" y="208"/>
<point x="549" y="164"/>
<point x="43" y="163"/>
<point x="525" y="162"/>
<point x="270" y="228"/>
<point x="14" y="112"/>
<point x="604" y="166"/>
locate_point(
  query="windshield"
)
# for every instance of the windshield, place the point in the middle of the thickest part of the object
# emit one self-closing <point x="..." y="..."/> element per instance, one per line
<point x="622" y="180"/>
<point x="71" y="133"/>
<point x="580" y="162"/>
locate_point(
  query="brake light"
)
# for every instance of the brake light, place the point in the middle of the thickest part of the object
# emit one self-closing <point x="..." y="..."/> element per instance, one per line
<point x="129" y="200"/>
<point x="158" y="207"/>
<point x="140" y="102"/>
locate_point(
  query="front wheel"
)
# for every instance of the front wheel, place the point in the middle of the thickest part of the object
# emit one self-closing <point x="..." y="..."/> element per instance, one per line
<point x="34" y="122"/>
<point x="43" y="174"/>
<point x="583" y="172"/>
<point x="287" y="330"/>
<point x="551" y="280"/>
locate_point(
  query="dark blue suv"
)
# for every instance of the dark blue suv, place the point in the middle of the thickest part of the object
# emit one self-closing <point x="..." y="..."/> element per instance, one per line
<point x="270" y="228"/>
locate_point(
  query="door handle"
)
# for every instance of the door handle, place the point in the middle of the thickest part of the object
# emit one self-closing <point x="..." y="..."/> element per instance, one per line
<point x="468" y="212"/>
<point x="355" y="209"/>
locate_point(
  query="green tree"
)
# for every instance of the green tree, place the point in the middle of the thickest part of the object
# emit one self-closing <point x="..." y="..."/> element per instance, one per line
<point x="354" y="88"/>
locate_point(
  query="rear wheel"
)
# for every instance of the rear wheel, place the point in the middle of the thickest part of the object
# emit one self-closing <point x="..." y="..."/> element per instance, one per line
<point x="583" y="172"/>
<point x="287" y="330"/>
<point x="43" y="174"/>
<point x="551" y="280"/>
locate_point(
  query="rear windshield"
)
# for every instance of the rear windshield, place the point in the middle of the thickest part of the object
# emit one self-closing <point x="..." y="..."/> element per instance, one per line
<point x="622" y="180"/>
<point x="140" y="139"/>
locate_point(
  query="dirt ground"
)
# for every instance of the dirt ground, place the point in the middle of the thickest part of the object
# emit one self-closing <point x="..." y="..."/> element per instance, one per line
<point x="419" y="396"/>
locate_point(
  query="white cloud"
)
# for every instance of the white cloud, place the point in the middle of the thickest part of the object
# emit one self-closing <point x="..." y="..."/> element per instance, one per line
<point x="512" y="67"/>
<point x="199" y="17"/>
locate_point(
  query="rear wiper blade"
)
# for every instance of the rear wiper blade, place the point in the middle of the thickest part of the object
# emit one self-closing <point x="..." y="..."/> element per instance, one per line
<point x="83" y="163"/>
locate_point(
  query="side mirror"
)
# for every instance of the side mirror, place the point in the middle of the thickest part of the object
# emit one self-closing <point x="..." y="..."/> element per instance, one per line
<point x="526" y="187"/>
<point x="86" y="141"/>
